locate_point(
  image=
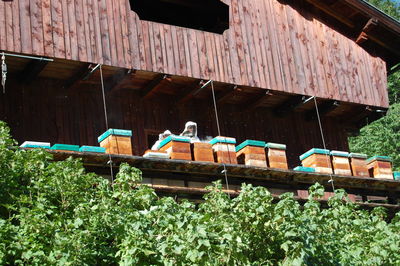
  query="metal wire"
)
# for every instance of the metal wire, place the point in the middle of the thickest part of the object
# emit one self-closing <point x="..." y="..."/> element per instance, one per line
<point x="323" y="141"/>
<point x="106" y="119"/>
<point x="225" y="171"/>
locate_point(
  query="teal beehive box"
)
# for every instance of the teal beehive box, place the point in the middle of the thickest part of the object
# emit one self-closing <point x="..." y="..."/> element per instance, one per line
<point x="93" y="149"/>
<point x="304" y="169"/>
<point x="35" y="144"/>
<point x="65" y="147"/>
<point x="396" y="176"/>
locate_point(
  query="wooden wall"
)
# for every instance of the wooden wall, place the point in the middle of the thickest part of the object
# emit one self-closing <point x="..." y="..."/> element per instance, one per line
<point x="268" y="45"/>
<point x="43" y="111"/>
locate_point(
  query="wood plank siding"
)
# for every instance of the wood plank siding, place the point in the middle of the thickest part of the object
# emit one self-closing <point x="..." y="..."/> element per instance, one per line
<point x="268" y="45"/>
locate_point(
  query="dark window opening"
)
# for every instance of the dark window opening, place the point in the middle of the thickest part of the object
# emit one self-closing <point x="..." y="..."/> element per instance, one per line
<point x="205" y="15"/>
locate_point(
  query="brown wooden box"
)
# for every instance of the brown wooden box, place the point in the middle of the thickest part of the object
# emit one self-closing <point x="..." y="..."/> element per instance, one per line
<point x="341" y="163"/>
<point x="380" y="168"/>
<point x="320" y="162"/>
<point x="277" y="156"/>
<point x="252" y="156"/>
<point x="359" y="167"/>
<point x="178" y="150"/>
<point x="117" y="145"/>
<point x="202" y="152"/>
<point x="228" y="157"/>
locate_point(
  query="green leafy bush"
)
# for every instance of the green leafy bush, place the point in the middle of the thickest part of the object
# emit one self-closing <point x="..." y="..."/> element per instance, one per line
<point x="54" y="213"/>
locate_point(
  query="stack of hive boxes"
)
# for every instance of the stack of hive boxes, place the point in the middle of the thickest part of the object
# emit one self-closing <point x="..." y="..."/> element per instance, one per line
<point x="251" y="153"/>
<point x="319" y="159"/>
<point x="202" y="152"/>
<point x="177" y="147"/>
<point x="341" y="163"/>
<point x="224" y="149"/>
<point x="380" y="167"/>
<point x="277" y="155"/>
<point x="116" y="141"/>
<point x="358" y="163"/>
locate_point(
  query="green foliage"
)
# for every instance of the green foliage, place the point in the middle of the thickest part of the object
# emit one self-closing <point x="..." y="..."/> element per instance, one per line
<point x="54" y="213"/>
<point x="382" y="137"/>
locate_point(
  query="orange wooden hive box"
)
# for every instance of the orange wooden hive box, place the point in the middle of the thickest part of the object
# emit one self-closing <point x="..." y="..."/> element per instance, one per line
<point x="380" y="167"/>
<point x="178" y="147"/>
<point x="319" y="159"/>
<point x="252" y="153"/>
<point x="202" y="152"/>
<point x="358" y="163"/>
<point x="116" y="141"/>
<point x="276" y="155"/>
<point x="341" y="163"/>
<point x="224" y="149"/>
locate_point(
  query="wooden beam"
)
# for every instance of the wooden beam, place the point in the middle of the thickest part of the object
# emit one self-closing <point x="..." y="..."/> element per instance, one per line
<point x="145" y="92"/>
<point x="190" y="92"/>
<point x="81" y="74"/>
<point x="290" y="105"/>
<point x="223" y="96"/>
<point x="114" y="82"/>
<point x="369" y="26"/>
<point x="332" y="12"/>
<point x="32" y="70"/>
<point x="256" y="101"/>
<point x="323" y="109"/>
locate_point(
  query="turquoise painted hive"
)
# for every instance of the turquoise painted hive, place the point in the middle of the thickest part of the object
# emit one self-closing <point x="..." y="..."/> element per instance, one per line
<point x="379" y="158"/>
<point x="65" y="147"/>
<point x="114" y="132"/>
<point x="94" y="149"/>
<point x="314" y="151"/>
<point x="340" y="153"/>
<point x="35" y="144"/>
<point x="225" y="140"/>
<point x="358" y="155"/>
<point x="304" y="169"/>
<point x="173" y="138"/>
<point x="396" y="176"/>
<point x="254" y="143"/>
<point x="277" y="146"/>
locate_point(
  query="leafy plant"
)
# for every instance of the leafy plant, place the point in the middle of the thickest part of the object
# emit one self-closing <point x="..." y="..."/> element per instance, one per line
<point x="54" y="213"/>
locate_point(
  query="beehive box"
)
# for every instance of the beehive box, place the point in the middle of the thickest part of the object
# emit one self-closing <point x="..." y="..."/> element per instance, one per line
<point x="202" y="152"/>
<point x="380" y="167"/>
<point x="116" y="141"/>
<point x="396" y="176"/>
<point x="319" y="159"/>
<point x="224" y="150"/>
<point x="251" y="153"/>
<point x="65" y="148"/>
<point x="276" y="155"/>
<point x="358" y="163"/>
<point x="177" y="147"/>
<point x="341" y="163"/>
<point x="304" y="169"/>
<point x="35" y="144"/>
<point x="156" y="154"/>
<point x="93" y="149"/>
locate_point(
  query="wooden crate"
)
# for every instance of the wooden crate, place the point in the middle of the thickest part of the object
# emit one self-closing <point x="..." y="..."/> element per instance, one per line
<point x="177" y="147"/>
<point x="224" y="150"/>
<point x="251" y="153"/>
<point x="319" y="159"/>
<point x="380" y="167"/>
<point x="202" y="152"/>
<point x="116" y="141"/>
<point x="341" y="163"/>
<point x="358" y="163"/>
<point x="276" y="155"/>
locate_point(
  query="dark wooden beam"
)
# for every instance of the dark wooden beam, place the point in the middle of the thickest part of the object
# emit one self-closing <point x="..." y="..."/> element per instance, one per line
<point x="190" y="92"/>
<point x="256" y="101"/>
<point x="114" y="82"/>
<point x="332" y="12"/>
<point x="323" y="109"/>
<point x="145" y="92"/>
<point x="371" y="24"/>
<point x="32" y="70"/>
<point x="223" y="96"/>
<point x="81" y="74"/>
<point x="290" y="105"/>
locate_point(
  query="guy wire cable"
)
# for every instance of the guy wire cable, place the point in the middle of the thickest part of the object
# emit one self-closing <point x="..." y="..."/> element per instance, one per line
<point x="323" y="141"/>
<point x="219" y="133"/>
<point x="106" y="120"/>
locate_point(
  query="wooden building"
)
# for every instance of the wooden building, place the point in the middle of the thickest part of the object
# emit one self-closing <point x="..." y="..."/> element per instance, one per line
<point x="266" y="58"/>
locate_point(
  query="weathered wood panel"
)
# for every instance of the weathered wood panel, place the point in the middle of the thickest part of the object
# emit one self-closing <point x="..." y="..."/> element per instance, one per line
<point x="268" y="45"/>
